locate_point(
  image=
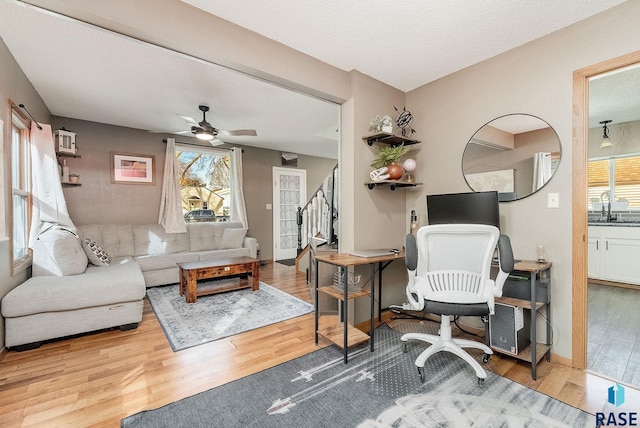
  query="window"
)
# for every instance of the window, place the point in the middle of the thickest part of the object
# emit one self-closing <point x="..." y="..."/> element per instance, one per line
<point x="20" y="212"/>
<point x="618" y="175"/>
<point x="204" y="183"/>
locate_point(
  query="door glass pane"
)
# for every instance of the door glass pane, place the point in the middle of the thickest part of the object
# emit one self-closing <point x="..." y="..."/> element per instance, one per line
<point x="289" y="201"/>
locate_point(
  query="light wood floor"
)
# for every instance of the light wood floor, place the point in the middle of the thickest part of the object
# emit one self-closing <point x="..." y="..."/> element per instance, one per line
<point x="97" y="379"/>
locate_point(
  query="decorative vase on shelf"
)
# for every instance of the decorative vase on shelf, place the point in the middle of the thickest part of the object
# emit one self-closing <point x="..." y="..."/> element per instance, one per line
<point x="409" y="166"/>
<point x="388" y="157"/>
<point x="388" y="129"/>
<point x="395" y="171"/>
<point x="65" y="171"/>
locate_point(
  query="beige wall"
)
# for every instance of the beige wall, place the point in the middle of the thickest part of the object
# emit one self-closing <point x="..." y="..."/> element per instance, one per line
<point x="15" y="86"/>
<point x="537" y="79"/>
<point x="94" y="201"/>
<point x="370" y="218"/>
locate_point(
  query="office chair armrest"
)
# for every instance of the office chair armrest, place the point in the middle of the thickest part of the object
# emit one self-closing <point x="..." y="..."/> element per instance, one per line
<point x="411" y="252"/>
<point x="411" y="261"/>
<point x="414" y="294"/>
<point x="505" y="262"/>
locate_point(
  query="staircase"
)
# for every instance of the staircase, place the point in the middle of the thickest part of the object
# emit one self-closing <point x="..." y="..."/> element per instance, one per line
<point x="319" y="216"/>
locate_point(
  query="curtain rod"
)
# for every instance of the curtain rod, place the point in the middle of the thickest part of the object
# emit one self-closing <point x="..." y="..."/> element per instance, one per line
<point x="29" y="114"/>
<point x="164" y="140"/>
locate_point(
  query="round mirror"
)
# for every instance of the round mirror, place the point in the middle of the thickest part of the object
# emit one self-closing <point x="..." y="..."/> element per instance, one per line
<point x="515" y="154"/>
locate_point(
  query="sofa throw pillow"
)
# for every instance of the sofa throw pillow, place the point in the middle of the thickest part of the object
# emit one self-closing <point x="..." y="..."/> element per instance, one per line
<point x="58" y="252"/>
<point x="232" y="238"/>
<point x="95" y="253"/>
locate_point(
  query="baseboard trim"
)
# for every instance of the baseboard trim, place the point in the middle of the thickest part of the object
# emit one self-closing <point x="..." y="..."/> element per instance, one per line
<point x="612" y="283"/>
<point x="561" y="360"/>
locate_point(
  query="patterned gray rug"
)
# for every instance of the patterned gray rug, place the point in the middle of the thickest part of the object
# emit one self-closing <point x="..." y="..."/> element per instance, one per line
<point x="220" y="315"/>
<point x="379" y="389"/>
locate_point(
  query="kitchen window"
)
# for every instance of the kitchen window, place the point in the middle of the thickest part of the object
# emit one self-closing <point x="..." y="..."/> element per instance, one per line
<point x="618" y="175"/>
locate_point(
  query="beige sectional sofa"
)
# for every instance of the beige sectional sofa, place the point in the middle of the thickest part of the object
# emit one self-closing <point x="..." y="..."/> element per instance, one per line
<point x="54" y="303"/>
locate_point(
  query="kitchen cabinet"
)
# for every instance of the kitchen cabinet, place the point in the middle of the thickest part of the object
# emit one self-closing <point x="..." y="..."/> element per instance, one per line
<point x="614" y="252"/>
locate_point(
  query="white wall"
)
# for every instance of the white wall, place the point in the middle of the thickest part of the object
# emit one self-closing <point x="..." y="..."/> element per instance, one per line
<point x="536" y="79"/>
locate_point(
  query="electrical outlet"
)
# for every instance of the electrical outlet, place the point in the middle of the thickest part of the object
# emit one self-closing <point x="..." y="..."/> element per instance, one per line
<point x="553" y="200"/>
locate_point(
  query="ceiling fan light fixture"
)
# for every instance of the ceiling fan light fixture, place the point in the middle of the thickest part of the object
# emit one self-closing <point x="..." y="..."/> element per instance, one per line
<point x="606" y="141"/>
<point x="202" y="134"/>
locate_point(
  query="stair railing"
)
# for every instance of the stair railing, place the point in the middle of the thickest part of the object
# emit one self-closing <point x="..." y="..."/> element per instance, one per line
<point x="318" y="216"/>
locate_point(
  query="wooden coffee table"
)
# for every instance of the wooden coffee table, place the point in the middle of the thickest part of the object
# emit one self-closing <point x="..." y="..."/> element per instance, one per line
<point x="191" y="272"/>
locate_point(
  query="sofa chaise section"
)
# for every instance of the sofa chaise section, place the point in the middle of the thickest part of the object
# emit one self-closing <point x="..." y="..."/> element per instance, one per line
<point x="63" y="299"/>
<point x="47" y="307"/>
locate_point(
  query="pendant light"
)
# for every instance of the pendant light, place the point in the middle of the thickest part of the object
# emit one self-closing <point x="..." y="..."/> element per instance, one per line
<point x="606" y="141"/>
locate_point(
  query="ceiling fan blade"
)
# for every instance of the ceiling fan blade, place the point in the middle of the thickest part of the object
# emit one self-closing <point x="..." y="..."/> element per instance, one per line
<point x="189" y="120"/>
<point x="216" y="142"/>
<point x="238" y="132"/>
<point x="169" y="132"/>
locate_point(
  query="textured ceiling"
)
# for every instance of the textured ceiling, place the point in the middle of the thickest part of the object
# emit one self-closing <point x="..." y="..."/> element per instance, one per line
<point x="90" y="73"/>
<point x="404" y="43"/>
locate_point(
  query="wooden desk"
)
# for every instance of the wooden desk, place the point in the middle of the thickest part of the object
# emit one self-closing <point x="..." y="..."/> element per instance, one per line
<point x="350" y="335"/>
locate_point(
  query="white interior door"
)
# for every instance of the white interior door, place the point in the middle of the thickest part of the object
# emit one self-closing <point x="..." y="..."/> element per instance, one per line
<point x="289" y="193"/>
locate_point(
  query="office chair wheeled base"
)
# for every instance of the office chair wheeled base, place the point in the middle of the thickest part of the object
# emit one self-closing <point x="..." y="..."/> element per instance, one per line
<point x="444" y="342"/>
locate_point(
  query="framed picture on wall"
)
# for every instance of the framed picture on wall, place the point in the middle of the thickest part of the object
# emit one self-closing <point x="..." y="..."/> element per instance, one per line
<point x="128" y="168"/>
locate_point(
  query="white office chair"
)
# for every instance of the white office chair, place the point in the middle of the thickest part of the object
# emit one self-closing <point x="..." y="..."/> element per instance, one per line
<point x="449" y="274"/>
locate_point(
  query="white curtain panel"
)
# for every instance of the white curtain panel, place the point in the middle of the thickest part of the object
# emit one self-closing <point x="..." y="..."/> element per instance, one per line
<point x="238" y="208"/>
<point x="171" y="217"/>
<point x="49" y="209"/>
<point x="541" y="169"/>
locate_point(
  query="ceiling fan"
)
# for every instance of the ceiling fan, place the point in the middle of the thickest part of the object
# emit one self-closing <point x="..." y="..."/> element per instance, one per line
<point x="203" y="130"/>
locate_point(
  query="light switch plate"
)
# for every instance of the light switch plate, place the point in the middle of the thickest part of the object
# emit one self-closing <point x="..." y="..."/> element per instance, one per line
<point x="269" y="206"/>
<point x="553" y="200"/>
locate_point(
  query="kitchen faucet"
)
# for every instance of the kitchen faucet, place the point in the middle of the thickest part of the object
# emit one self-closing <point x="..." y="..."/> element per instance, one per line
<point x="607" y="195"/>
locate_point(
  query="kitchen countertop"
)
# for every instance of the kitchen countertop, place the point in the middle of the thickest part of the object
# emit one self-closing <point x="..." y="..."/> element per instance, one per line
<point x="622" y="223"/>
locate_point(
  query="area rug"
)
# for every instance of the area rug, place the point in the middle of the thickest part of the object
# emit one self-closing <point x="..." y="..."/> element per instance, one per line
<point x="287" y="262"/>
<point x="220" y="315"/>
<point x="379" y="389"/>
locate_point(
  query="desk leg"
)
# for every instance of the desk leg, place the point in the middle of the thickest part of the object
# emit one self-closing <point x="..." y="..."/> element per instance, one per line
<point x="534" y="340"/>
<point x="317" y="305"/>
<point x="380" y="269"/>
<point x="548" y="313"/>
<point x="372" y="312"/>
<point x="345" y="310"/>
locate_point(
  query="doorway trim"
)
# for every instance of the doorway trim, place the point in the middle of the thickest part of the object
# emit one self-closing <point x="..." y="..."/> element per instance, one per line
<point x="579" y="198"/>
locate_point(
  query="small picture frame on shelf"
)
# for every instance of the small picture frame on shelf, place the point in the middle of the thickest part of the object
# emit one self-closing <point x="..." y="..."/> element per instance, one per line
<point x="65" y="141"/>
<point x="127" y="168"/>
